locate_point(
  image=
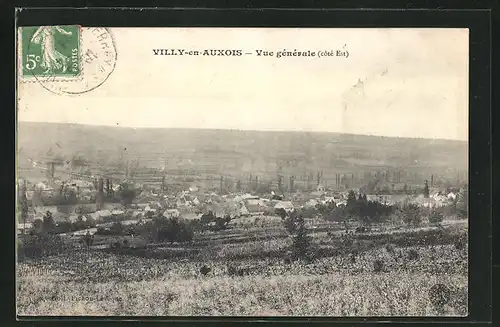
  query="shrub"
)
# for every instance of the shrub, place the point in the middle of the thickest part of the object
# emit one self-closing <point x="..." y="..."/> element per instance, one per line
<point x="48" y="223"/>
<point x="231" y="270"/>
<point x="412" y="254"/>
<point x="439" y="296"/>
<point x="205" y="270"/>
<point x="88" y="239"/>
<point x="378" y="266"/>
<point x="173" y="230"/>
<point x="411" y="214"/>
<point x="309" y="212"/>
<point x="390" y="248"/>
<point x="461" y="242"/>
<point x="127" y="196"/>
<point x="38" y="245"/>
<point x="220" y="224"/>
<point x="281" y="213"/>
<point x="436" y="217"/>
<point x="64" y="227"/>
<point x="117" y="228"/>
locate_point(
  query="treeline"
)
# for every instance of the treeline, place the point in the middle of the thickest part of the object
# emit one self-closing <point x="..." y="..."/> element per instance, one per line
<point x="355" y="208"/>
<point x="174" y="229"/>
<point x="367" y="212"/>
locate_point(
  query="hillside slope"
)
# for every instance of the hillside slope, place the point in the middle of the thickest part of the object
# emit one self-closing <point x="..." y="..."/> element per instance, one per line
<point x="231" y="152"/>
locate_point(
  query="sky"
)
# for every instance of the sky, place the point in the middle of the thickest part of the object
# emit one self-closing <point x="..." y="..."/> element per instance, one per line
<point x="395" y="82"/>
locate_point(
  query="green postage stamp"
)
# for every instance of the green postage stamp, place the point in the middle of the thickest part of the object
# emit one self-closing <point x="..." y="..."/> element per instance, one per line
<point x="67" y="59"/>
<point x="50" y="51"/>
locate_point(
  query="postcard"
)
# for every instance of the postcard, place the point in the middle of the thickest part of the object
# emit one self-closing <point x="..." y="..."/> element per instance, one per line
<point x="242" y="171"/>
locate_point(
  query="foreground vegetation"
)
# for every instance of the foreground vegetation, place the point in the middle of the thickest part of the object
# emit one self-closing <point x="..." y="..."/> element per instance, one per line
<point x="245" y="270"/>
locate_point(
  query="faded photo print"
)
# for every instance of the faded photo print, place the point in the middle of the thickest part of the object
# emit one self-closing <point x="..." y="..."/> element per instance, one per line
<point x="242" y="172"/>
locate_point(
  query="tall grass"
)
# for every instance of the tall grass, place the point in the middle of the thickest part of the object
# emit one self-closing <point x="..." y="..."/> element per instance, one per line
<point x="388" y="294"/>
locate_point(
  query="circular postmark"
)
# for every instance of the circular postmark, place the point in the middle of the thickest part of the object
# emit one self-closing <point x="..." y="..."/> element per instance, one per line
<point x="83" y="70"/>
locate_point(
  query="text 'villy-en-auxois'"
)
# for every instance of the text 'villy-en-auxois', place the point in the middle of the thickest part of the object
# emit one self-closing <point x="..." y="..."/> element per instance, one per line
<point x="282" y="53"/>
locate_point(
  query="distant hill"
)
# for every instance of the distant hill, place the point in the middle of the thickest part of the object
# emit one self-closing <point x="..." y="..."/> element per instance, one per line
<point x="238" y="153"/>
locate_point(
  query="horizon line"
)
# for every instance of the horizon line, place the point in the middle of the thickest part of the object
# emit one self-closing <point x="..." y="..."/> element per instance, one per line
<point x="246" y="130"/>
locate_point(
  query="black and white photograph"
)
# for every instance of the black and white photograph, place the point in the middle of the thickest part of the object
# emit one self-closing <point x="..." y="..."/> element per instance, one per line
<point x="242" y="172"/>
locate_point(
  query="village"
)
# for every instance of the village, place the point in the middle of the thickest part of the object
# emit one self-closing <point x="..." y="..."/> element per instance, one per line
<point x="208" y="221"/>
<point x="101" y="201"/>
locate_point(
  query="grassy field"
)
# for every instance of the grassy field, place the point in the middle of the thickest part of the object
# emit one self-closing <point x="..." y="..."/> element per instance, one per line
<point x="165" y="279"/>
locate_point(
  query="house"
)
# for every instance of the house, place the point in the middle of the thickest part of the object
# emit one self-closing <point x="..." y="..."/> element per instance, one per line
<point x="286" y="205"/>
<point x="171" y="213"/>
<point x="320" y="188"/>
<point x="42" y="186"/>
<point x="255" y="209"/>
<point x="341" y="203"/>
<point x="101" y="214"/>
<point x="244" y="197"/>
<point x="191" y="215"/>
<point x="22" y="227"/>
<point x="74" y="218"/>
<point x="136" y="214"/>
<point x="330" y="199"/>
<point x="244" y="211"/>
<point x="253" y="202"/>
<point x="311" y="203"/>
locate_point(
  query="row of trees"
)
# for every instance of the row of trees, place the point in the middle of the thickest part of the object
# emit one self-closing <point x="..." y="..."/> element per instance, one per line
<point x="368" y="212"/>
<point x="174" y="229"/>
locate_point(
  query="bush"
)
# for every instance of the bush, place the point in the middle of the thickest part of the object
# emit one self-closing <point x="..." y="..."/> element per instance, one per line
<point x="309" y="212"/>
<point x="127" y="196"/>
<point x="174" y="230"/>
<point x="220" y="224"/>
<point x="436" y="217"/>
<point x="48" y="223"/>
<point x="301" y="241"/>
<point x="38" y="245"/>
<point x="439" y="296"/>
<point x="461" y="242"/>
<point x="412" y="254"/>
<point x="378" y="266"/>
<point x="411" y="214"/>
<point x="390" y="248"/>
<point x="117" y="228"/>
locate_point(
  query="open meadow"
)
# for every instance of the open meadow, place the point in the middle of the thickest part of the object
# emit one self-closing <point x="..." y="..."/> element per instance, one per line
<point x="244" y="271"/>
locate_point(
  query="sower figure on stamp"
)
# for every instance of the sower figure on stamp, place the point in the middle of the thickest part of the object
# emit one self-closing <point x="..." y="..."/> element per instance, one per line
<point x="51" y="58"/>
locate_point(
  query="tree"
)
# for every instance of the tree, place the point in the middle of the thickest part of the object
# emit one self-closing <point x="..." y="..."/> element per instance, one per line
<point x="462" y="203"/>
<point x="48" y="223"/>
<point x="352" y="208"/>
<point x="174" y="230"/>
<point x="89" y="239"/>
<point x="281" y="213"/>
<point x="220" y="223"/>
<point x="435" y="217"/>
<point x="301" y="241"/>
<point x="426" y="189"/>
<point x="280" y="183"/>
<point x="207" y="218"/>
<point x="78" y="162"/>
<point x="411" y="214"/>
<point x="127" y="196"/>
<point x="24" y="206"/>
<point x="37" y="225"/>
<point x="116" y="228"/>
